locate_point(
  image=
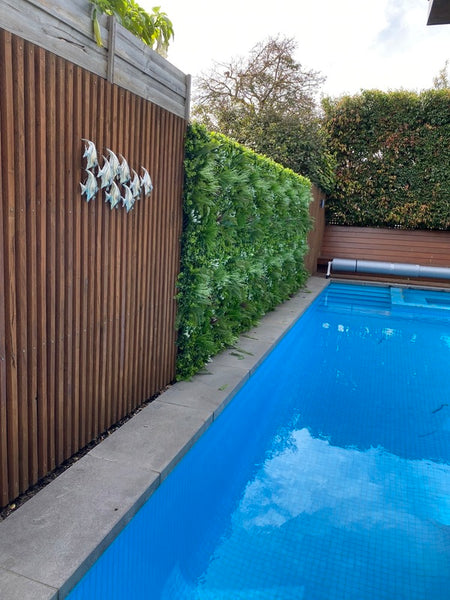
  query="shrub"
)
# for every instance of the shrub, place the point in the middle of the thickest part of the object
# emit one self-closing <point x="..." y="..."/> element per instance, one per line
<point x="393" y="159"/>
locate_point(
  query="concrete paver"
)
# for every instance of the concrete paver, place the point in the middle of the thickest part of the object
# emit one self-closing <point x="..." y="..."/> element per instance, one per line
<point x="152" y="448"/>
<point x="72" y="520"/>
<point x="16" y="587"/>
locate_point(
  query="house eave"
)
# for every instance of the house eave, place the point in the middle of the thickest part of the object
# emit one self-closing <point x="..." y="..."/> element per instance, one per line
<point x="438" y="12"/>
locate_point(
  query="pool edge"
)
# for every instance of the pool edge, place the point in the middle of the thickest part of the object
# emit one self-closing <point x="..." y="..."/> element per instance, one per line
<point x="53" y="539"/>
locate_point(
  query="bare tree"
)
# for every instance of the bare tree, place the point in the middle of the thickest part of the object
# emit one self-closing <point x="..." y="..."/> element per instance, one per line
<point x="442" y="80"/>
<point x="268" y="80"/>
<point x="268" y="102"/>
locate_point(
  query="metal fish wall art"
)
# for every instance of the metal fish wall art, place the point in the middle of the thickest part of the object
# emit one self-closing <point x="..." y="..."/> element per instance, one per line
<point x="123" y="171"/>
<point x="146" y="182"/>
<point x="90" y="186"/>
<point x="106" y="174"/>
<point x="114" y="162"/>
<point x="90" y="154"/>
<point x="113" y="195"/>
<point x="135" y="185"/>
<point x="128" y="198"/>
<point x="119" y="181"/>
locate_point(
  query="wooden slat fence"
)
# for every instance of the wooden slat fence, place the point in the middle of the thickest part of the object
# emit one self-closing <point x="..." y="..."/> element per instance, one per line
<point x="64" y="27"/>
<point x="315" y="237"/>
<point x="390" y="245"/>
<point x="419" y="247"/>
<point x="87" y="303"/>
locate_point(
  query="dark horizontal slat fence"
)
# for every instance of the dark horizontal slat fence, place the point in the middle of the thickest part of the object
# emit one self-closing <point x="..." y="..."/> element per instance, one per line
<point x="87" y="305"/>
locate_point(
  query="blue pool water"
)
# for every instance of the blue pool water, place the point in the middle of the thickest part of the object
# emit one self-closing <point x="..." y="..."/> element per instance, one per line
<point x="326" y="478"/>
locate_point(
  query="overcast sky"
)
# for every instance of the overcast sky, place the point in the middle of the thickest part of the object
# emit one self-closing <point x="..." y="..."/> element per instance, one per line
<point x="356" y="44"/>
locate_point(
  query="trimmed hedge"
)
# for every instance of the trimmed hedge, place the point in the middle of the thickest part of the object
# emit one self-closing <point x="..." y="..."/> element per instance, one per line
<point x="246" y="220"/>
<point x="393" y="159"/>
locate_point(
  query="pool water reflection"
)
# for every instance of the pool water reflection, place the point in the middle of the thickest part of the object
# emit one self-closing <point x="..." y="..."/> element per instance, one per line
<point x="326" y="478"/>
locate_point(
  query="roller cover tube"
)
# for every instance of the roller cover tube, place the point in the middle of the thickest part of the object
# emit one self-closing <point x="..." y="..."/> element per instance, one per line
<point x="387" y="268"/>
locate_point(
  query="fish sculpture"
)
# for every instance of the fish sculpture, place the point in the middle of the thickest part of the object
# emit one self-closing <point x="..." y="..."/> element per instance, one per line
<point x="106" y="173"/>
<point x="128" y="199"/>
<point x="123" y="172"/>
<point x="114" y="162"/>
<point x="135" y="185"/>
<point x="113" y="196"/>
<point x="90" y="186"/>
<point x="90" y="154"/>
<point x="146" y="182"/>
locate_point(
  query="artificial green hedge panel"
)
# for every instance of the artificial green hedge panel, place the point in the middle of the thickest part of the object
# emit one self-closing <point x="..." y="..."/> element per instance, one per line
<point x="246" y="220"/>
<point x="393" y="159"/>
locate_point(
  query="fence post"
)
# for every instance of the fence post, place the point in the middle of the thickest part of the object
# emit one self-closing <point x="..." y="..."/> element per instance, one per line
<point x="111" y="48"/>
<point x="187" y="110"/>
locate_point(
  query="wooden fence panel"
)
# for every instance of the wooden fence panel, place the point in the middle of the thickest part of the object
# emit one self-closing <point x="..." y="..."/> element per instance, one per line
<point x="87" y="308"/>
<point x="417" y="247"/>
<point x="4" y="472"/>
<point x="315" y="236"/>
<point x="65" y="28"/>
<point x="390" y="245"/>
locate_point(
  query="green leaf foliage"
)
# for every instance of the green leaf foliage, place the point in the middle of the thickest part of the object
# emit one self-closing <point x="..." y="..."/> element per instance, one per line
<point x="392" y="152"/>
<point x="246" y="220"/>
<point x="152" y="28"/>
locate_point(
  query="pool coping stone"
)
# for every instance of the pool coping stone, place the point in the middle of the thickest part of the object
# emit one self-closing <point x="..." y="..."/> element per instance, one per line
<point x="50" y="542"/>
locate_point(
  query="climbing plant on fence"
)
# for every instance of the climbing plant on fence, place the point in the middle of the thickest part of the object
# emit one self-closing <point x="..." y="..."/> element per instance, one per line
<point x="246" y="219"/>
<point x="393" y="159"/>
<point x="152" y="28"/>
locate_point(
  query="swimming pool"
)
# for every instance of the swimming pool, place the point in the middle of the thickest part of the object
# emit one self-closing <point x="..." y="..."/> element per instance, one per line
<point x="326" y="478"/>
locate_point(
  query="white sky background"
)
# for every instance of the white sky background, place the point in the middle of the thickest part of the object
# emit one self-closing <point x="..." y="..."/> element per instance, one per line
<point x="356" y="44"/>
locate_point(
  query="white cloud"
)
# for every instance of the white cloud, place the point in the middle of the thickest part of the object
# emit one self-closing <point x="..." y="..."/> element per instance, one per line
<point x="356" y="45"/>
<point x="315" y="506"/>
<point x="332" y="480"/>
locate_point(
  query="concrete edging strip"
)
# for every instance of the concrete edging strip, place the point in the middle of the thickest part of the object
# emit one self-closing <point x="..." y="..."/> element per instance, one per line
<point x="48" y="544"/>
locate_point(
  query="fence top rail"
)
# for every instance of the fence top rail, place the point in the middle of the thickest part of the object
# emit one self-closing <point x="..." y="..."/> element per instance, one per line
<point x="64" y="27"/>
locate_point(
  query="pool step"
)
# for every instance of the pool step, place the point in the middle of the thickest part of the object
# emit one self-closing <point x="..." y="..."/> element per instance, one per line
<point x="357" y="296"/>
<point x="379" y="300"/>
<point x="423" y="299"/>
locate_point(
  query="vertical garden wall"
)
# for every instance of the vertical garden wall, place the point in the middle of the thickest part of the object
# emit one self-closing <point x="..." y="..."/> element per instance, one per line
<point x="246" y="221"/>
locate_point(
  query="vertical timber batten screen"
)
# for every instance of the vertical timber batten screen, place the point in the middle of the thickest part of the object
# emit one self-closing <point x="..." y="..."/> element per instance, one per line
<point x="87" y="309"/>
